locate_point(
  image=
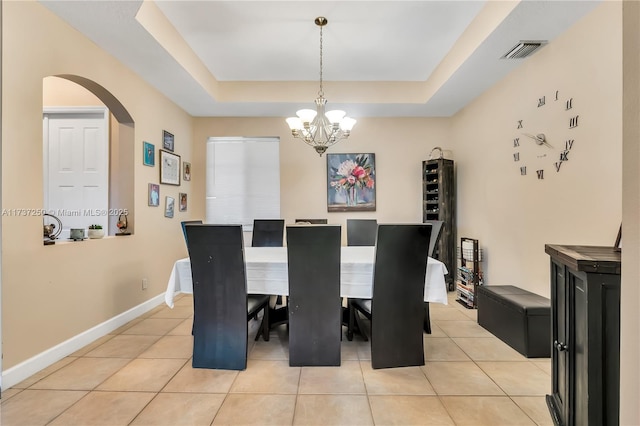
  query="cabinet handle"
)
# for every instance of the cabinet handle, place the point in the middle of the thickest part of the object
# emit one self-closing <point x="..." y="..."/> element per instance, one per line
<point x="560" y="346"/>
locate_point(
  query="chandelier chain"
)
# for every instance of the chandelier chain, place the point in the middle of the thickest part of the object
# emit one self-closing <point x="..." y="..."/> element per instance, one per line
<point x="321" y="92"/>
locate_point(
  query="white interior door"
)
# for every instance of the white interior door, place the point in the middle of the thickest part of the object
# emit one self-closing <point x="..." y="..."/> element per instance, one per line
<point x="76" y="169"/>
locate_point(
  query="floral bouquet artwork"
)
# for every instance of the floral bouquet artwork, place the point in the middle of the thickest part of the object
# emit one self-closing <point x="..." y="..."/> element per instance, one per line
<point x="351" y="182"/>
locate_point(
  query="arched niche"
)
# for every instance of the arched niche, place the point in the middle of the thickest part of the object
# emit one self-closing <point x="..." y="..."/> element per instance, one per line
<point x="56" y="93"/>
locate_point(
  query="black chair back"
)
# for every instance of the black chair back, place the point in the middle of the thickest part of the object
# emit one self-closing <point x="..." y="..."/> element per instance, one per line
<point x="315" y="309"/>
<point x="436" y="230"/>
<point x="312" y="221"/>
<point x="398" y="293"/>
<point x="219" y="296"/>
<point x="185" y="223"/>
<point x="361" y="232"/>
<point x="268" y="233"/>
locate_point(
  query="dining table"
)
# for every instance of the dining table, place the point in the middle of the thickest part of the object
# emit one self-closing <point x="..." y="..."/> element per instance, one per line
<point x="267" y="273"/>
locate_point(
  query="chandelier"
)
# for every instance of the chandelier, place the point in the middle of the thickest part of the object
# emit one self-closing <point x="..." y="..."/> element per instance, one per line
<point x="315" y="127"/>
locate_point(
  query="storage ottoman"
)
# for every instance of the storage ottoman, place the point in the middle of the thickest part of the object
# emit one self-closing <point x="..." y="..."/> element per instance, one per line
<point x="518" y="317"/>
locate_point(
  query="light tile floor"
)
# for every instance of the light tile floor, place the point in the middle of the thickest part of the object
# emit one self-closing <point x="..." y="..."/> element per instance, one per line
<point x="141" y="374"/>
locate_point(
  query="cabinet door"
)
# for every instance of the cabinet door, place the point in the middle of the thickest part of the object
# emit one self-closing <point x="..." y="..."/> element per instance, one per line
<point x="578" y="351"/>
<point x="560" y="333"/>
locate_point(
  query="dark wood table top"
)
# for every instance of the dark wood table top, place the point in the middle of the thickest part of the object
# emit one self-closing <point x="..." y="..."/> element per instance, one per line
<point x="598" y="259"/>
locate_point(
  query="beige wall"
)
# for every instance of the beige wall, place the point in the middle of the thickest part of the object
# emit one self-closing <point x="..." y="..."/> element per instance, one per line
<point x="514" y="216"/>
<point x="400" y="146"/>
<point x="630" y="320"/>
<point x="60" y="92"/>
<point x="50" y="294"/>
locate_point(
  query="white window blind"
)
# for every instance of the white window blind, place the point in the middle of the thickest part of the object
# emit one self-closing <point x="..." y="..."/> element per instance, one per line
<point x="242" y="180"/>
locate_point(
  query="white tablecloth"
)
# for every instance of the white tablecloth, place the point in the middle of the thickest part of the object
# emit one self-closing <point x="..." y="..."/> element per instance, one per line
<point x="267" y="274"/>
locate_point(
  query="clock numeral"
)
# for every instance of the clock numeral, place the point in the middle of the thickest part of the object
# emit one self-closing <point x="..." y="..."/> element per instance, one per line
<point x="516" y="156"/>
<point x="541" y="102"/>
<point x="569" y="104"/>
<point x="523" y="170"/>
<point x="568" y="144"/>
<point x="556" y="95"/>
<point x="516" y="142"/>
<point x="573" y="122"/>
<point x="564" y="155"/>
<point x="519" y="124"/>
<point x="540" y="174"/>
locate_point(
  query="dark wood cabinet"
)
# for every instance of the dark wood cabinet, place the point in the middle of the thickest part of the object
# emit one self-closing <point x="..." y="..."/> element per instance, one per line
<point x="585" y="335"/>
<point x="439" y="203"/>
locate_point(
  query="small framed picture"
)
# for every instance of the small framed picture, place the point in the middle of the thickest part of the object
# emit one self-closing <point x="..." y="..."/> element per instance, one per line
<point x="167" y="141"/>
<point x="169" y="206"/>
<point x="154" y="194"/>
<point x="183" y="201"/>
<point x="187" y="171"/>
<point x="169" y="168"/>
<point x="149" y="154"/>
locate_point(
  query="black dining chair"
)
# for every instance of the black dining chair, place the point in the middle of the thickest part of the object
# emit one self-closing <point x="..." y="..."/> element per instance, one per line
<point x="185" y="223"/>
<point x="396" y="309"/>
<point x="361" y="232"/>
<point x="436" y="231"/>
<point x="221" y="306"/>
<point x="267" y="233"/>
<point x="315" y="308"/>
<point x="312" y="221"/>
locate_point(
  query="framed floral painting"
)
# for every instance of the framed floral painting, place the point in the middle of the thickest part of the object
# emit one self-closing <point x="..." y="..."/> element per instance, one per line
<point x="351" y="182"/>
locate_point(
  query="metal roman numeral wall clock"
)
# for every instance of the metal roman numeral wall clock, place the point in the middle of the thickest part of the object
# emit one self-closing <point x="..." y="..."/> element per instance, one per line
<point x="542" y="143"/>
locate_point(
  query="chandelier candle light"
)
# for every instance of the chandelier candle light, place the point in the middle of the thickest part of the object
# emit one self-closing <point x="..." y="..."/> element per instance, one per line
<point x="317" y="128"/>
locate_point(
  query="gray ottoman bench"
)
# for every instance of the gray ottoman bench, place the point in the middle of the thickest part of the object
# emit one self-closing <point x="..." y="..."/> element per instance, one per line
<point x="518" y="317"/>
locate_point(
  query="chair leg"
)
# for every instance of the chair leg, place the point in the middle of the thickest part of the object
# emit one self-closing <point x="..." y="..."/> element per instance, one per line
<point x="260" y="331"/>
<point x="360" y="325"/>
<point x="355" y="323"/>
<point x="427" y="319"/>
<point x="264" y="326"/>
<point x="351" y="324"/>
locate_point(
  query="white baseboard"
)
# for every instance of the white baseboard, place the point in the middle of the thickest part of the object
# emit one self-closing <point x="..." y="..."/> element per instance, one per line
<point x="25" y="369"/>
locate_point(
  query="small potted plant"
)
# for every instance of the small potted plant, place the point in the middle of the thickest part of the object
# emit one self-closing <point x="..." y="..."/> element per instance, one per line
<point x="96" y="231"/>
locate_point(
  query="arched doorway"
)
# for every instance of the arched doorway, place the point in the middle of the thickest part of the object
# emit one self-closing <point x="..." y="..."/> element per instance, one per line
<point x="65" y="91"/>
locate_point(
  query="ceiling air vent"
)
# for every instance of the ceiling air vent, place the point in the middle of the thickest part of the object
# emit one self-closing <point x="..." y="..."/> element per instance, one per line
<point x="523" y="49"/>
